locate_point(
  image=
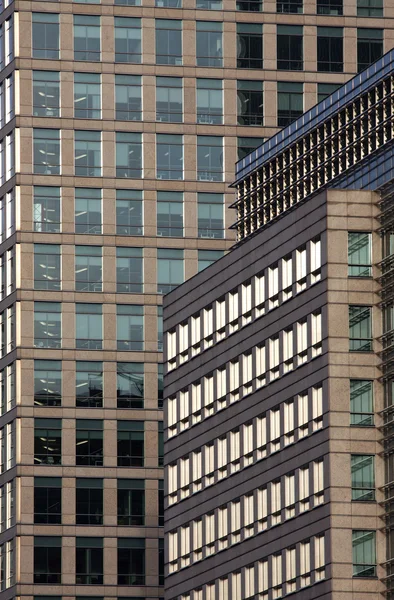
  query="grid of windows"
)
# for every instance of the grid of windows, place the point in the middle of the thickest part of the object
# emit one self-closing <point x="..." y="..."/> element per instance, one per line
<point x="245" y="516"/>
<point x="254" y="298"/>
<point x="271" y="576"/>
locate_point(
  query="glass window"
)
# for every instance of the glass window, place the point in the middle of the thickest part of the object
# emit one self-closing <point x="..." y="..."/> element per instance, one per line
<point x="168" y="42"/>
<point x="330" y="49"/>
<point x="87" y="96"/>
<point x="326" y="89"/>
<point x="209" y="158"/>
<point x="46" y="151"/>
<point x="170" y="214"/>
<point x="210" y="215"/>
<point x="89" y="384"/>
<point x="160" y="444"/>
<point x="47" y="325"/>
<point x="364" y="553"/>
<point x="89" y="501"/>
<point x="129" y="218"/>
<point x="161" y="502"/>
<point x="131" y="502"/>
<point x="289" y="6"/>
<point x="89" y="560"/>
<point x="129" y="155"/>
<point x="89" y="442"/>
<point x="88" y="215"/>
<point x="168" y="3"/>
<point x="207" y="257"/>
<point x="369" y="47"/>
<point x="89" y="326"/>
<point x="46" y="94"/>
<point x="290" y="102"/>
<point x="170" y="270"/>
<point x="209" y="4"/>
<point x="128" y="97"/>
<point x="160" y="376"/>
<point x="131" y="561"/>
<point x="209" y="101"/>
<point x="47" y="441"/>
<point x="128" y="48"/>
<point x="247" y="145"/>
<point x="130" y="327"/>
<point x="87" y="38"/>
<point x="370" y="8"/>
<point x="46" y="209"/>
<point x="250" y="5"/>
<point x="88" y="269"/>
<point x="130" y="443"/>
<point x="87" y="152"/>
<point x="47" y="560"/>
<point x="290" y="47"/>
<point x="359" y="254"/>
<point x="45" y="35"/>
<point x="169" y="99"/>
<point x="249" y="46"/>
<point x="169" y="156"/>
<point x="360" y="329"/>
<point x="47" y="382"/>
<point x="130" y="385"/>
<point x="361" y="402"/>
<point x="47" y="500"/>
<point x="250" y="103"/>
<point x="128" y="2"/>
<point x="47" y="273"/>
<point x="129" y="270"/>
<point x="161" y="561"/>
<point x="363" y="477"/>
<point x="329" y="7"/>
<point x="209" y="44"/>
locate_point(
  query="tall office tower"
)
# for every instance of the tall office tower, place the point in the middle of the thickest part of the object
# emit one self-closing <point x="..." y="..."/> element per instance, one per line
<point x="121" y="121"/>
<point x="279" y="371"/>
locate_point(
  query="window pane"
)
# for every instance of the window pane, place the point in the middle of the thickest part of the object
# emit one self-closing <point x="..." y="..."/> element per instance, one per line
<point x="47" y="325"/>
<point x="129" y="155"/>
<point x="45" y="35"/>
<point x="129" y="270"/>
<point x="170" y="269"/>
<point x="128" y="97"/>
<point x="87" y="43"/>
<point x="359" y="254"/>
<point x="46" y="209"/>
<point x="361" y="402"/>
<point x="47" y="275"/>
<point x="46" y="151"/>
<point x="207" y="257"/>
<point x="363" y="477"/>
<point x="169" y="99"/>
<point x="210" y="215"/>
<point x="87" y="96"/>
<point x="169" y="156"/>
<point x="130" y="385"/>
<point x="129" y="219"/>
<point x="209" y="158"/>
<point x="209" y="101"/>
<point x="130" y="327"/>
<point x="46" y="94"/>
<point x="250" y="103"/>
<point x="88" y="215"/>
<point x="209" y="44"/>
<point x="170" y="214"/>
<point x="128" y="40"/>
<point x="290" y="48"/>
<point x="249" y="46"/>
<point x="360" y="329"/>
<point x="168" y="42"/>
<point x="89" y="384"/>
<point x="87" y="152"/>
<point x="364" y="553"/>
<point x="47" y="382"/>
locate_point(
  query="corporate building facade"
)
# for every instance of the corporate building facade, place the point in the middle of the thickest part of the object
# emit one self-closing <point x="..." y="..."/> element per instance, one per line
<point x="120" y="124"/>
<point x="278" y="370"/>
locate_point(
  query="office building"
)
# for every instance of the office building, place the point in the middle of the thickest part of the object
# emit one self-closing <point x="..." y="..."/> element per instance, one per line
<point x="278" y="370"/>
<point x="121" y="121"/>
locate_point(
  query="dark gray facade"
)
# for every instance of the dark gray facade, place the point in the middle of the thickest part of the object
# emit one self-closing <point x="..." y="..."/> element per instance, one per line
<point x="275" y="476"/>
